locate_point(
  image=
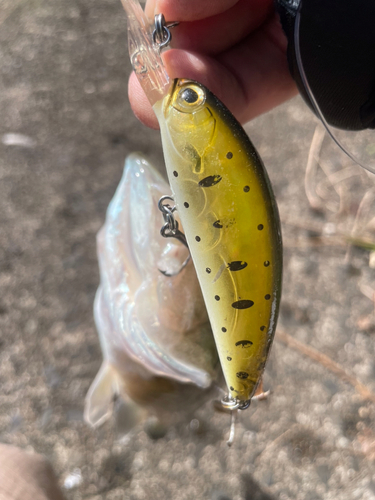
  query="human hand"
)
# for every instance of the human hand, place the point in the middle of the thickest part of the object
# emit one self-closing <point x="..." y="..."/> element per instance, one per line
<point x="236" y="48"/>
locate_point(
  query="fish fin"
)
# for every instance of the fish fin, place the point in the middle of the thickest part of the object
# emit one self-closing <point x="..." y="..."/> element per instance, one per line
<point x="100" y="398"/>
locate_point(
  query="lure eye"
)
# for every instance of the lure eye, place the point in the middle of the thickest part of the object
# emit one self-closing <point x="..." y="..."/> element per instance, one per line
<point x="190" y="98"/>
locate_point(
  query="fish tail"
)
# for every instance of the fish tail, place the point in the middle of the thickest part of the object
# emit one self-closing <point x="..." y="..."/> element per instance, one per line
<point x="100" y="399"/>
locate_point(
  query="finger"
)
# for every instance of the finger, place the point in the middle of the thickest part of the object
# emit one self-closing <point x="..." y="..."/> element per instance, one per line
<point x="249" y="79"/>
<point x="187" y="10"/>
<point x="140" y="104"/>
<point x="259" y="65"/>
<point x="183" y="64"/>
<point x="205" y="36"/>
<point x="205" y="70"/>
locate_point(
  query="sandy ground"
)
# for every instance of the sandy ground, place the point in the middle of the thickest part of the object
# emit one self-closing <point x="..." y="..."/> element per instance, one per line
<point x="63" y="82"/>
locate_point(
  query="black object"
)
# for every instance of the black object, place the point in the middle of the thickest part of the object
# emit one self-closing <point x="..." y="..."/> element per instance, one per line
<point x="337" y="46"/>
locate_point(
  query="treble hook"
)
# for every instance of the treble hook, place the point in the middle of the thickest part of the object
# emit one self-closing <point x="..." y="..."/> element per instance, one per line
<point x="170" y="230"/>
<point x="233" y="405"/>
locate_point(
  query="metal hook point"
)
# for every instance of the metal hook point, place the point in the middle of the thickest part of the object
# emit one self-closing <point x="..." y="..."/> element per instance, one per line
<point x="233" y="405"/>
<point x="170" y="230"/>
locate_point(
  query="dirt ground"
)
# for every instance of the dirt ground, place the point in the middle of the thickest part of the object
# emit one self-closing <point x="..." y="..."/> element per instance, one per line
<point x="63" y="81"/>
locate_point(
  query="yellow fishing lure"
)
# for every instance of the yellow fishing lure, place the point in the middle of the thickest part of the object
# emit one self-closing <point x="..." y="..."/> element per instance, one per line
<point x="230" y="218"/>
<point x="226" y="206"/>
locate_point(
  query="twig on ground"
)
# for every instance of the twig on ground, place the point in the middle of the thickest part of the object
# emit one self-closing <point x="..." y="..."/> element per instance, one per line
<point x="311" y="168"/>
<point x="285" y="436"/>
<point x="335" y="180"/>
<point x="363" y="210"/>
<point x="337" y="239"/>
<point x="325" y="361"/>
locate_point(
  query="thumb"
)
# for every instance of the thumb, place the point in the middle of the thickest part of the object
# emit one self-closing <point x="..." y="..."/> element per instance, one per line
<point x="187" y="10"/>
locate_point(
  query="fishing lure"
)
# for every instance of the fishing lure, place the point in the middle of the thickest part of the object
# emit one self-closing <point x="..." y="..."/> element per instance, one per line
<point x="225" y="202"/>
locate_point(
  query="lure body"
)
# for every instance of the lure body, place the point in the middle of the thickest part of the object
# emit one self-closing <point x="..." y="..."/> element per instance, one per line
<point x="231" y="222"/>
<point x="226" y="206"/>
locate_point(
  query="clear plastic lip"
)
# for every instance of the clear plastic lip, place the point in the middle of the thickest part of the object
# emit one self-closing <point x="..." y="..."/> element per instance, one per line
<point x="359" y="146"/>
<point x="145" y="54"/>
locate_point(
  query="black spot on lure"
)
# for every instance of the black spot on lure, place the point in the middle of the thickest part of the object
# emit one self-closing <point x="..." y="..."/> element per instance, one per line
<point x="222" y="178"/>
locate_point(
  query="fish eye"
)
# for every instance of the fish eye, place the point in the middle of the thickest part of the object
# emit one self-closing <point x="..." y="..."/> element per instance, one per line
<point x="189" y="98"/>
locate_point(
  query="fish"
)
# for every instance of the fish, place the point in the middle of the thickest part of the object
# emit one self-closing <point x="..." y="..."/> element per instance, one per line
<point x="225" y="202"/>
<point x="159" y="354"/>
